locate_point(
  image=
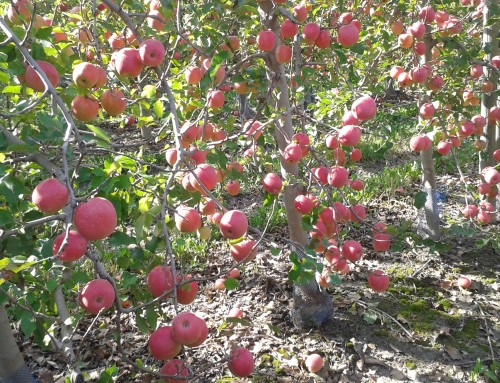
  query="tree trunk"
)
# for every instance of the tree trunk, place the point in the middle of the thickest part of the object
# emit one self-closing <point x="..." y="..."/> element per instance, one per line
<point x="312" y="306"/>
<point x="12" y="366"/>
<point x="427" y="162"/>
<point x="488" y="100"/>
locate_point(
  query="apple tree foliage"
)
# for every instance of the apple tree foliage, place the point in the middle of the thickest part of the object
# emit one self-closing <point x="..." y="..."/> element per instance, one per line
<point x="245" y="102"/>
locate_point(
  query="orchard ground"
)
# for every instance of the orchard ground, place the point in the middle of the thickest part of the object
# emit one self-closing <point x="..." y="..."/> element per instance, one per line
<point x="424" y="328"/>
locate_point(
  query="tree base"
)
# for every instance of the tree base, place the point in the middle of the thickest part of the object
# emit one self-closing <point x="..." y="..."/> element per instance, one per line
<point x="312" y="307"/>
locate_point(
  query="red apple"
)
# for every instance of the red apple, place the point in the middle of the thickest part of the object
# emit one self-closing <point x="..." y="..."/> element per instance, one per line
<point x="50" y="196"/>
<point x="470" y="211"/>
<point x="443" y="147"/>
<point x="266" y="40"/>
<point x="272" y="183"/>
<point x="244" y="250"/>
<point x="151" y="52"/>
<point x="352" y="250"/>
<point x="96" y="295"/>
<point x="292" y="153"/>
<point x="338" y="176"/>
<point x="127" y="62"/>
<point x="162" y="345"/>
<point x="288" y="29"/>
<point x="235" y="312"/>
<point x="185" y="328"/>
<point x="356" y="155"/>
<point x="283" y="54"/>
<point x="74" y="250"/>
<point x="113" y="102"/>
<point x="186" y="293"/>
<point x="84" y="108"/>
<point x="427" y="14"/>
<point x="158" y="22"/>
<point x="85" y="75"/>
<point x="323" y="40"/>
<point x="314" y="363"/>
<point x="187" y="219"/>
<point x="17" y="9"/>
<point x="357" y="184"/>
<point x="233" y="224"/>
<point x="241" y="362"/>
<point x="378" y="281"/>
<point x="381" y="242"/>
<point x="33" y="79"/>
<point x="303" y="204"/>
<point x="350" y="135"/>
<point x="427" y="110"/>
<point x="417" y="29"/>
<point x="215" y="99"/>
<point x="464" y="282"/>
<point x="193" y="75"/>
<point x="364" y="108"/>
<point x="311" y="32"/>
<point x="348" y="35"/>
<point x="95" y="219"/>
<point x="300" y="13"/>
<point x="349" y="119"/>
<point x="160" y="280"/>
<point x="175" y="367"/>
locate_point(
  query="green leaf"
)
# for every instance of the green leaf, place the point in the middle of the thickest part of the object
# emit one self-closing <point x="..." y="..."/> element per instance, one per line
<point x="231" y="284"/>
<point x="142" y="323"/>
<point x="149" y="91"/>
<point x="37" y="51"/>
<point x="99" y="133"/>
<point x="243" y="322"/>
<point x="158" y="108"/>
<point x="420" y="198"/>
<point x="51" y="284"/>
<point x="13" y="89"/>
<point x="108" y="374"/>
<point x="370" y="317"/>
<point x="28" y="324"/>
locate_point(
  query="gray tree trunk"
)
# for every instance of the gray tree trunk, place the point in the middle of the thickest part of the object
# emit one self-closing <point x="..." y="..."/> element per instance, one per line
<point x="311" y="305"/>
<point x="427" y="163"/>
<point x="12" y="366"/>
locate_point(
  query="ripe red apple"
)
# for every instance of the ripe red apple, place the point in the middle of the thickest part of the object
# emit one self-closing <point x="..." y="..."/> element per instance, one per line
<point x="272" y="183"/>
<point x="193" y="75"/>
<point x="349" y="119"/>
<point x="357" y="185"/>
<point x="288" y="29"/>
<point x="378" y="281"/>
<point x="464" y="282"/>
<point x="338" y="176"/>
<point x="95" y="219"/>
<point x="266" y="40"/>
<point x="96" y="295"/>
<point x="151" y="52"/>
<point x="476" y="70"/>
<point x="252" y="129"/>
<point x="348" y="35"/>
<point x="321" y="174"/>
<point x="314" y="363"/>
<point x="102" y="77"/>
<point x="74" y="250"/>
<point x="206" y="175"/>
<point x="470" y="211"/>
<point x="202" y="325"/>
<point x="427" y="110"/>
<point x="381" y="242"/>
<point x="364" y="108"/>
<point x="303" y="140"/>
<point x="352" y="250"/>
<point x="496" y="155"/>
<point x="283" y="54"/>
<point x="84" y="108"/>
<point x="350" y="135"/>
<point x="323" y="40"/>
<point x="207" y="206"/>
<point x="356" y="155"/>
<point x="50" y="196"/>
<point x="233" y="187"/>
<point x="243" y="250"/>
<point x="419" y="143"/>
<point x="300" y="13"/>
<point x="303" y="204"/>
<point x="357" y="213"/>
<point x="405" y="40"/>
<point x="233" y="224"/>
<point x="443" y="147"/>
<point x="158" y="23"/>
<point x="292" y="153"/>
<point x="215" y="99"/>
<point x="311" y="32"/>
<point x="85" y="75"/>
<point x="162" y="345"/>
<point x="241" y="362"/>
<point x="234" y="273"/>
<point x="127" y="62"/>
<point x="332" y="141"/>
<point x="187" y="219"/>
<point x="417" y="29"/>
<point x="419" y="48"/>
<point x="160" y="279"/>
<point x="33" y="79"/>
<point x="186" y="293"/>
<point x="185" y="328"/>
<point x="491" y="175"/>
<point x="19" y="8"/>
<point x="175" y="367"/>
<point x="113" y="102"/>
<point x="235" y="312"/>
<point x="342" y="214"/>
<point x="427" y="14"/>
